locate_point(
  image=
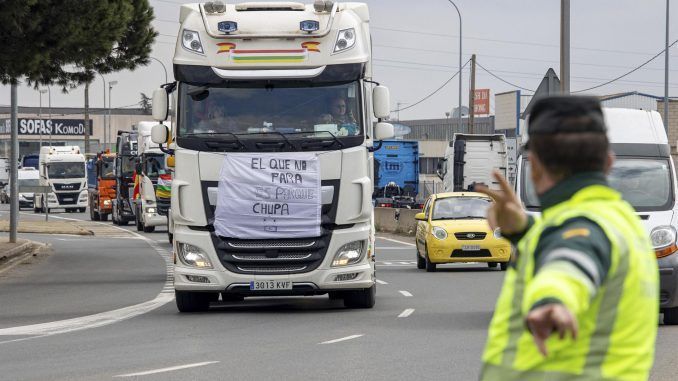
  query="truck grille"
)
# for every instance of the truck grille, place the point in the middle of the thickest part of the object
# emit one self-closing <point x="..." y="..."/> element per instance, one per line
<point x="67" y="198"/>
<point x="163" y="205"/>
<point x="67" y="187"/>
<point x="470" y="236"/>
<point x="271" y="257"/>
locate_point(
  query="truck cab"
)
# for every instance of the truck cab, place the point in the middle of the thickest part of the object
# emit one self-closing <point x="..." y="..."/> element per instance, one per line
<point x="275" y="106"/>
<point x="470" y="159"/>
<point x="645" y="175"/>
<point x="103" y="187"/>
<point x="125" y="180"/>
<point x="64" y="170"/>
<point x="26" y="177"/>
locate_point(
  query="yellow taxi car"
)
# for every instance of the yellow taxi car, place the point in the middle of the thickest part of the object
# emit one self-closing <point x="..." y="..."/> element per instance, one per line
<point x="453" y="228"/>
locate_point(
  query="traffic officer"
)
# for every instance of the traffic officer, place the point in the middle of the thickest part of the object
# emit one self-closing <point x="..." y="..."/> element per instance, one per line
<point x="580" y="299"/>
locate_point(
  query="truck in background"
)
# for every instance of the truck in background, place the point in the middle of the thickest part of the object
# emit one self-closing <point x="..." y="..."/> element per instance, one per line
<point x="30" y="161"/>
<point x="26" y="177"/>
<point x="644" y="173"/>
<point x="316" y="56"/>
<point x="396" y="174"/>
<point x="63" y="169"/>
<point x="154" y="179"/>
<point x="125" y="162"/>
<point x="4" y="179"/>
<point x="470" y="159"/>
<point x="101" y="186"/>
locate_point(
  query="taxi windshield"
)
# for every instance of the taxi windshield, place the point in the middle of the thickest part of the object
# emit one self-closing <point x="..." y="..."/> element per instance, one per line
<point x="457" y="208"/>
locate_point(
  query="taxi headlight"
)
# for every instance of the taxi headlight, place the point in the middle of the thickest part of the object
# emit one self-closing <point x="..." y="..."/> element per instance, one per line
<point x="349" y="254"/>
<point x="439" y="233"/>
<point x="497" y="233"/>
<point x="192" y="256"/>
<point x="663" y="237"/>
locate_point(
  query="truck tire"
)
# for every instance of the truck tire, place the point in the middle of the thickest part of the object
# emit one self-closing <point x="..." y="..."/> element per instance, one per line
<point x="137" y="220"/>
<point x="123" y="222"/>
<point x="94" y="216"/>
<point x="104" y="217"/>
<point x="170" y="237"/>
<point x="361" y="298"/>
<point x="193" y="301"/>
<point x="149" y="229"/>
<point x="671" y="316"/>
<point x="81" y="210"/>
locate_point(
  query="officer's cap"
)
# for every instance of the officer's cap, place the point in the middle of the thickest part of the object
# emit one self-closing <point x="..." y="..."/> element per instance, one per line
<point x="566" y="114"/>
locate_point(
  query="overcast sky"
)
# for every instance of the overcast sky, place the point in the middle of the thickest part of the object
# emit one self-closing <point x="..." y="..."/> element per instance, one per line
<point x="417" y="44"/>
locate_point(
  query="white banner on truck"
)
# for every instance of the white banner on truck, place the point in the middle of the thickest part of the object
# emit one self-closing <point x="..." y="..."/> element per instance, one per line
<point x="268" y="196"/>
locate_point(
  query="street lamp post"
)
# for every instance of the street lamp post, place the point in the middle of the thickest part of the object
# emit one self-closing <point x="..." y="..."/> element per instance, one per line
<point x="104" y="114"/>
<point x="163" y="66"/>
<point x="42" y="91"/>
<point x="666" y="72"/>
<point x="110" y="125"/>
<point x="459" y="13"/>
<point x="49" y="100"/>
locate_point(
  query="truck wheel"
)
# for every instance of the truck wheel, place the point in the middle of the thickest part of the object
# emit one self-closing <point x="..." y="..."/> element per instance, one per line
<point x="149" y="229"/>
<point x="504" y="266"/>
<point x="361" y="298"/>
<point x="104" y="217"/>
<point x="140" y="225"/>
<point x="82" y="210"/>
<point x="123" y="222"/>
<point x="421" y="262"/>
<point x="193" y="301"/>
<point x="430" y="266"/>
<point x="170" y="237"/>
<point x="94" y="216"/>
<point x="671" y="316"/>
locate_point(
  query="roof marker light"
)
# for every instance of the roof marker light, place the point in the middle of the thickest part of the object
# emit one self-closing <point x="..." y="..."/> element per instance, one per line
<point x="215" y="7"/>
<point x="309" y="26"/>
<point x="228" y="26"/>
<point x="323" y="6"/>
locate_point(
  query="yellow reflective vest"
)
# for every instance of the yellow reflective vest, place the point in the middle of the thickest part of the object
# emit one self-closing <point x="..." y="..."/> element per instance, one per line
<point x="617" y="321"/>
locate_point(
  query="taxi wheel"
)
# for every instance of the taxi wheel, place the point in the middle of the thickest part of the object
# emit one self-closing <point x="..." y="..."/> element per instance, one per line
<point x="671" y="316"/>
<point x="421" y="262"/>
<point x="492" y="265"/>
<point x="430" y="266"/>
<point x="504" y="266"/>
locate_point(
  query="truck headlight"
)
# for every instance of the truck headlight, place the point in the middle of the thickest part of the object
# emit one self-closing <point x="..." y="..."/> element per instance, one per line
<point x="150" y="210"/>
<point x="345" y="40"/>
<point x="192" y="256"/>
<point x="439" y="233"/>
<point x="107" y="202"/>
<point x="51" y="197"/>
<point x="664" y="240"/>
<point x="191" y="41"/>
<point x="349" y="254"/>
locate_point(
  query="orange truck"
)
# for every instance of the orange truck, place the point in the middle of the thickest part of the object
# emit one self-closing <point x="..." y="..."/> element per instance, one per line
<point x="101" y="186"/>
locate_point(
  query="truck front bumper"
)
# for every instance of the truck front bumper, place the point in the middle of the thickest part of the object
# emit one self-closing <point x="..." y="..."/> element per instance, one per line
<point x="319" y="281"/>
<point x="154" y="219"/>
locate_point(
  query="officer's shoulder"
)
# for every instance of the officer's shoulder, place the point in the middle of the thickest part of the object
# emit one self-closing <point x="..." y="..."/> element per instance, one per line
<point x="575" y="229"/>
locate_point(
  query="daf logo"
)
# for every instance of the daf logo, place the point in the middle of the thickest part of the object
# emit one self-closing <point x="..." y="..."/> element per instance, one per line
<point x="471" y="235"/>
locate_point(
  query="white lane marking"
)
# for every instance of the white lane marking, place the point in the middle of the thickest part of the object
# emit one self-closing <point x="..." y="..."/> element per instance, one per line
<point x="405" y="293"/>
<point x="170" y="369"/>
<point x="390" y="248"/>
<point x="395" y="240"/>
<point x="381" y="281"/>
<point x="342" y="339"/>
<point x="91" y="321"/>
<point x="388" y="263"/>
<point x="405" y="263"/>
<point x="406" y="313"/>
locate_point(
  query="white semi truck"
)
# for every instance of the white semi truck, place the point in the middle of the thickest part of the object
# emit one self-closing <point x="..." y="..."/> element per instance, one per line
<point x="274" y="128"/>
<point x="153" y="203"/>
<point x="470" y="159"/>
<point x="64" y="170"/>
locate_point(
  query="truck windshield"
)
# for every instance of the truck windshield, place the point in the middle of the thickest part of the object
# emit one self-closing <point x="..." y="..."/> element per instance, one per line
<point x="154" y="165"/>
<point x="127" y="166"/>
<point x="267" y="107"/>
<point x="65" y="170"/>
<point x="644" y="183"/>
<point x="456" y="208"/>
<point x="107" y="168"/>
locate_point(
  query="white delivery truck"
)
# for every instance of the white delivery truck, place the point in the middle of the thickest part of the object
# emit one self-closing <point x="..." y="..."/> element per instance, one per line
<point x="644" y="173"/>
<point x="4" y="178"/>
<point x="272" y="191"/>
<point x="153" y="203"/>
<point x="26" y="177"/>
<point x="63" y="169"/>
<point x="470" y="159"/>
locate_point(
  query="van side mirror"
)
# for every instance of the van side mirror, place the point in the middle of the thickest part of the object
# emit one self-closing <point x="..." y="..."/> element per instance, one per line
<point x="381" y="101"/>
<point x="420" y="217"/>
<point x="383" y="131"/>
<point x="160" y="104"/>
<point x="159" y="134"/>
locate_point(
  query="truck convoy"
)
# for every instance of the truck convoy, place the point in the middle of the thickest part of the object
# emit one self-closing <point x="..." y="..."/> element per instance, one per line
<point x="125" y="161"/>
<point x="101" y="186"/>
<point x="63" y="169"/>
<point x="470" y="159"/>
<point x="154" y="179"/>
<point x="274" y="104"/>
<point x="645" y="175"/>
<point x="396" y="174"/>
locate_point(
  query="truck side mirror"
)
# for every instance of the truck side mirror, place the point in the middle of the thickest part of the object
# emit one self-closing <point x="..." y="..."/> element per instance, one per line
<point x="159" y="134"/>
<point x="160" y="104"/>
<point x="441" y="170"/>
<point x="383" y="131"/>
<point x="381" y="100"/>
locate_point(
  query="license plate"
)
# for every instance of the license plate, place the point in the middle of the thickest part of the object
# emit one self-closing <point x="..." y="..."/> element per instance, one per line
<point x="271" y="285"/>
<point x="68" y="199"/>
<point x="470" y="247"/>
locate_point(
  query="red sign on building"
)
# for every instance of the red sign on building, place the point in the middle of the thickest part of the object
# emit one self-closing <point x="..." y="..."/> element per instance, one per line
<point x="481" y="102"/>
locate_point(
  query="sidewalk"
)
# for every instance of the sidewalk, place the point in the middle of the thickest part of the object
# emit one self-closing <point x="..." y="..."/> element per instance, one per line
<point x="47" y="227"/>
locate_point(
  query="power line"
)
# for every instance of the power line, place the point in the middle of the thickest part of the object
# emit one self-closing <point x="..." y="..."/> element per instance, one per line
<point x="629" y="72"/>
<point x="435" y="91"/>
<point x="502" y="79"/>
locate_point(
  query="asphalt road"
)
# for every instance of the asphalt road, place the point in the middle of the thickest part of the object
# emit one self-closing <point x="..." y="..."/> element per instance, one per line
<point x="101" y="308"/>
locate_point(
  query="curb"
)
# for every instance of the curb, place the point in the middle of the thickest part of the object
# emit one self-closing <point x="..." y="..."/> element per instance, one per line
<point x="10" y="258"/>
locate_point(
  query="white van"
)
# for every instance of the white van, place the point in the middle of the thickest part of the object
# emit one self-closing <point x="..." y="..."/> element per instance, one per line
<point x="645" y="175"/>
<point x="26" y="177"/>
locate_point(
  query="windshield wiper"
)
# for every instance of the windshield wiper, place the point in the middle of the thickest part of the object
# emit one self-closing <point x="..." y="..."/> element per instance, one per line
<point x="237" y="145"/>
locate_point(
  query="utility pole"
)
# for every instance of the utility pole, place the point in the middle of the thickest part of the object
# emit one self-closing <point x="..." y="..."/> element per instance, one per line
<point x="666" y="73"/>
<point x="565" y="46"/>
<point x="42" y="91"/>
<point x="87" y="118"/>
<point x="49" y="100"/>
<point x="472" y="96"/>
<point x="14" y="166"/>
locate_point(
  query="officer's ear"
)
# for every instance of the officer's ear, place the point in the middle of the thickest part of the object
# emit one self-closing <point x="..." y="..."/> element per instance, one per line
<point x="609" y="162"/>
